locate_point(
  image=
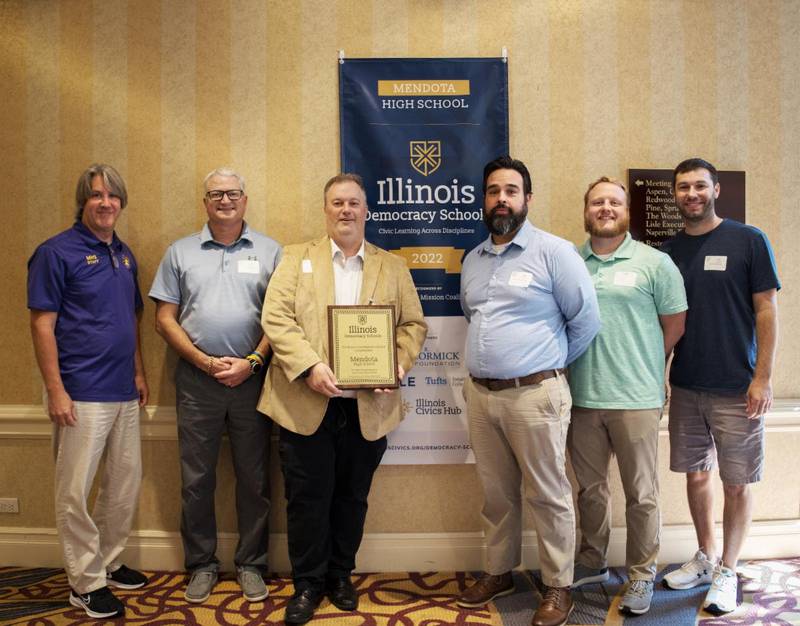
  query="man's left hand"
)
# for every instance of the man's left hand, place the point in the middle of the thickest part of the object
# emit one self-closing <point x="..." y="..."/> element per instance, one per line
<point x="400" y="375"/>
<point x="237" y="372"/>
<point x="759" y="398"/>
<point x="141" y="387"/>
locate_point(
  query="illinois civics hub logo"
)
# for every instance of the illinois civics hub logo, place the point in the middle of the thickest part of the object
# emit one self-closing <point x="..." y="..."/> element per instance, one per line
<point x="426" y="156"/>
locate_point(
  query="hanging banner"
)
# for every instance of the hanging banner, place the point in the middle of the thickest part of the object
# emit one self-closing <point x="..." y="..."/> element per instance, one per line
<point x="419" y="132"/>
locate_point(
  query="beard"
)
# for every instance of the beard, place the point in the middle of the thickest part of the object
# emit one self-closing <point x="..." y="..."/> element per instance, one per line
<point x="501" y="225"/>
<point x="708" y="208"/>
<point x="595" y="229"/>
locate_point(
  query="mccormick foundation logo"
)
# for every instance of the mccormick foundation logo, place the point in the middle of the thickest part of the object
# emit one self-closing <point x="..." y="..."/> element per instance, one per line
<point x="426" y="156"/>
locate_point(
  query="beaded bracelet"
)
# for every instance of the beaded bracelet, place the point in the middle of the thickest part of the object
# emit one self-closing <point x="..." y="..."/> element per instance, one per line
<point x="255" y="356"/>
<point x="259" y="355"/>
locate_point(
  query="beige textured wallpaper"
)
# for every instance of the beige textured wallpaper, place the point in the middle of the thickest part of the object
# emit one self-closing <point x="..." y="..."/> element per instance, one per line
<point x="167" y="90"/>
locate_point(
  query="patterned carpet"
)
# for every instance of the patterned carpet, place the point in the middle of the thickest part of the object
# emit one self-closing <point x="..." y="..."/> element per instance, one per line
<point x="770" y="596"/>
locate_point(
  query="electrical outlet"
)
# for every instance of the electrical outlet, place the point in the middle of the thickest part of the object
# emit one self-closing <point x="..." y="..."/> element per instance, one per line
<point x="9" y="505"/>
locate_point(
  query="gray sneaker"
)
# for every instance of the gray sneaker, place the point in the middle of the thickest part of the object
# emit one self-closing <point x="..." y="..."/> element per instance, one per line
<point x="253" y="587"/>
<point x="637" y="597"/>
<point x="584" y="575"/>
<point x="200" y="586"/>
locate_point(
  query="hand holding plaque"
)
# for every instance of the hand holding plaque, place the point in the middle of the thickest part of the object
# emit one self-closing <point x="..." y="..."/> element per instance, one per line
<point x="363" y="346"/>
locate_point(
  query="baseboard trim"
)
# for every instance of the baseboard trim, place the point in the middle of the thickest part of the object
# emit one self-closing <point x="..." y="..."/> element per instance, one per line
<point x="387" y="552"/>
<point x="30" y="421"/>
<point x="158" y="423"/>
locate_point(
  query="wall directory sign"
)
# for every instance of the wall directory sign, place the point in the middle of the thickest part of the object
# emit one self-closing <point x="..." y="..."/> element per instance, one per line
<point x="654" y="216"/>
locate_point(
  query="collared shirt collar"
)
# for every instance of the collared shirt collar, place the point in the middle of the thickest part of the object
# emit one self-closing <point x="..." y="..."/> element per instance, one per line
<point x="521" y="239"/>
<point x="337" y="250"/>
<point x="207" y="237"/>
<point x="624" y="251"/>
<point x="91" y="239"/>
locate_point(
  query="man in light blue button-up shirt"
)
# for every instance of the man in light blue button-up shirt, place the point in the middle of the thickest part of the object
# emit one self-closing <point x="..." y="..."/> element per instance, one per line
<point x="532" y="310"/>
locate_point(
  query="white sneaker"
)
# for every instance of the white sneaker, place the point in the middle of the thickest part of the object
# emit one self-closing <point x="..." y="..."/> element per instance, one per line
<point x="637" y="597"/>
<point x="721" y="597"/>
<point x="698" y="571"/>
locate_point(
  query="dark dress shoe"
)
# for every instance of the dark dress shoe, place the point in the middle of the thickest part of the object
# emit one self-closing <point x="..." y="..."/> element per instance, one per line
<point x="300" y="608"/>
<point x="342" y="594"/>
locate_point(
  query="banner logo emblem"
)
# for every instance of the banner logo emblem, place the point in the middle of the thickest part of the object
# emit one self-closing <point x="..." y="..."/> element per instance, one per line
<point x="426" y="156"/>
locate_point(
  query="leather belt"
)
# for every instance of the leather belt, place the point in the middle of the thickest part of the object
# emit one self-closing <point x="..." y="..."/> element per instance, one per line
<point x="498" y="384"/>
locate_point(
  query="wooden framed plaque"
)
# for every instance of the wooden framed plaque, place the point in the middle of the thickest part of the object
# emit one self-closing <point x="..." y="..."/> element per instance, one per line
<point x="362" y="346"/>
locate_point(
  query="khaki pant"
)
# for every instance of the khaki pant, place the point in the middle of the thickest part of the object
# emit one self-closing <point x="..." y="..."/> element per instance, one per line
<point x="519" y="437"/>
<point x="594" y="436"/>
<point x="91" y="544"/>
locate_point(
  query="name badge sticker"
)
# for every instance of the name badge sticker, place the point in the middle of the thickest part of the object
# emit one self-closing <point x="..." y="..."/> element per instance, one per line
<point x="520" y="279"/>
<point x="248" y="266"/>
<point x="625" y="279"/>
<point x="306" y="265"/>
<point x="716" y="263"/>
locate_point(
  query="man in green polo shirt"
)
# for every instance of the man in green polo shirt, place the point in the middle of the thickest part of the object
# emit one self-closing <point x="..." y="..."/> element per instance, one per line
<point x="618" y="390"/>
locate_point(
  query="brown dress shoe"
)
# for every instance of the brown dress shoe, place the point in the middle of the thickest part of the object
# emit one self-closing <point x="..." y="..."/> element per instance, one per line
<point x="486" y="589"/>
<point x="555" y="607"/>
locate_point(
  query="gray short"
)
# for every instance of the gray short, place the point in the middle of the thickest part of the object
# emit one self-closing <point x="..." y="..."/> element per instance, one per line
<point x="703" y="426"/>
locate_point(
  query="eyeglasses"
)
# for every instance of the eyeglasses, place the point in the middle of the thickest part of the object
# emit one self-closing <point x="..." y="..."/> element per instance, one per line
<point x="217" y="194"/>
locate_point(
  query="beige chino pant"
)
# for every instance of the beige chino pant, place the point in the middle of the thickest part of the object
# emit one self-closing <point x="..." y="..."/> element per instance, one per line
<point x="92" y="544"/>
<point x="594" y="436"/>
<point x="519" y="437"/>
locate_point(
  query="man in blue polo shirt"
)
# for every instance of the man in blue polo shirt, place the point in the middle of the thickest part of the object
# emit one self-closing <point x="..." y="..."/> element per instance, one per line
<point x="721" y="375"/>
<point x="209" y="291"/>
<point x="618" y="391"/>
<point x="84" y="305"/>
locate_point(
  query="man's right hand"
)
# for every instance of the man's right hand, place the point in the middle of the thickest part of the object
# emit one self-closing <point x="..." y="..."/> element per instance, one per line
<point x="322" y="380"/>
<point x="61" y="409"/>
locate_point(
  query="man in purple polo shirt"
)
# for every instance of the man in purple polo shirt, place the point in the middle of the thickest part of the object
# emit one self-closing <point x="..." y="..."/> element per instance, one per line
<point x="85" y="302"/>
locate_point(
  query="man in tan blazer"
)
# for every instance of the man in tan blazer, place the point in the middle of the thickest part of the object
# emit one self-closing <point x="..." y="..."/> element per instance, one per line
<point x="331" y="441"/>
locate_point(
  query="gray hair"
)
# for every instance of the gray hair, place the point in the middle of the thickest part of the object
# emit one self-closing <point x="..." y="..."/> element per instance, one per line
<point x="112" y="180"/>
<point x="226" y="172"/>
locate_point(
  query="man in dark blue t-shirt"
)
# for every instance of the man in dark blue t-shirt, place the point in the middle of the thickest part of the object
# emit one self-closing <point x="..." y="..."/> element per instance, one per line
<point x="84" y="305"/>
<point x="721" y="374"/>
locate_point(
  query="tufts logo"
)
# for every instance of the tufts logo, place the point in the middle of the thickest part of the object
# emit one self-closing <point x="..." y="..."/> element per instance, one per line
<point x="426" y="156"/>
<point x="91" y="259"/>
